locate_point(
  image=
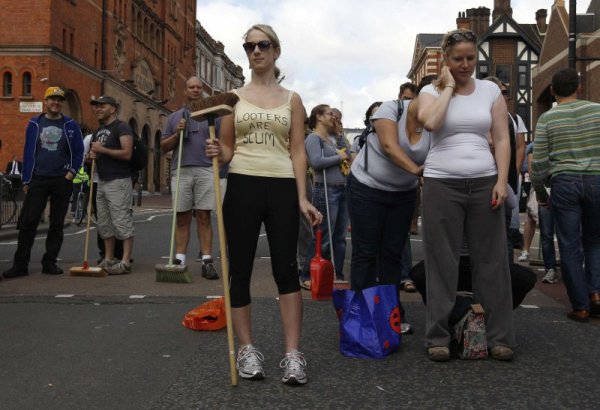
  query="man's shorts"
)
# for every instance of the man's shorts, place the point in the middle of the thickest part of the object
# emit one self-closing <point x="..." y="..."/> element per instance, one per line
<point x="196" y="189"/>
<point x="114" y="213"/>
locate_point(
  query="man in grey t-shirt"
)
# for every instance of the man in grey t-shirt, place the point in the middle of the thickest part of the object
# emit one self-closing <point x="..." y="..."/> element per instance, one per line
<point x="196" y="189"/>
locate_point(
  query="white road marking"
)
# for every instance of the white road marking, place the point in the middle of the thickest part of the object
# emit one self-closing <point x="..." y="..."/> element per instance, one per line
<point x="151" y="218"/>
<point x="64" y="296"/>
<point x="214" y="296"/>
<point x="137" y="296"/>
<point x="530" y="306"/>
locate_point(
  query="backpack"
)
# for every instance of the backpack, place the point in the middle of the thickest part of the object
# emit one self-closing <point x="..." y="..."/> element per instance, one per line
<point x="139" y="157"/>
<point x="362" y="138"/>
<point x="400" y="111"/>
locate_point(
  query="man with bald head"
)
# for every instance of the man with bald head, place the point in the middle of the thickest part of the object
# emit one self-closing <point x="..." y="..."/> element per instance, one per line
<point x="196" y="189"/>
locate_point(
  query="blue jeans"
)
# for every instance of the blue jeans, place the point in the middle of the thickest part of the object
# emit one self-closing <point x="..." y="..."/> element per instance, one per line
<point x="547" y="237"/>
<point x="380" y="224"/>
<point x="406" y="262"/>
<point x="576" y="206"/>
<point x="338" y="215"/>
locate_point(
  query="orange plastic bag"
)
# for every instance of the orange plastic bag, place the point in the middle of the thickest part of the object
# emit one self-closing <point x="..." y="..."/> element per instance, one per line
<point x="208" y="316"/>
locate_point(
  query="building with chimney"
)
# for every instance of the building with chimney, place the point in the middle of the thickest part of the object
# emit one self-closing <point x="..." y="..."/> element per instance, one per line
<point x="507" y="50"/>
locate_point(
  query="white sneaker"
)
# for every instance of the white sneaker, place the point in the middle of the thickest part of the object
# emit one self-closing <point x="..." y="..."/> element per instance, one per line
<point x="249" y="363"/>
<point x="524" y="256"/>
<point x="550" y="277"/>
<point x="293" y="364"/>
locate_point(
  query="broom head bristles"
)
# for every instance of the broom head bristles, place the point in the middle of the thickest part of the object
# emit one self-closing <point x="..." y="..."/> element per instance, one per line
<point x="216" y="106"/>
<point x="94" y="272"/>
<point x="173" y="273"/>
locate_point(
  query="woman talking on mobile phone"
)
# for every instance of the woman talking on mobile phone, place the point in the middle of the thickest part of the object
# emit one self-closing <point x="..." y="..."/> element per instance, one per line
<point x="464" y="191"/>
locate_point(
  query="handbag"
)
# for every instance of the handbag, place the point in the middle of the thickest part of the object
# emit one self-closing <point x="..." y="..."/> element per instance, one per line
<point x="208" y="316"/>
<point x="369" y="321"/>
<point x="470" y="334"/>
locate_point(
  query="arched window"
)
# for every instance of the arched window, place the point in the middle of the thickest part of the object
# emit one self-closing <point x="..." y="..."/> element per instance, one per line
<point x="152" y="37"/>
<point x="139" y="26"/>
<point x="7" y="84"/>
<point x="27" y="84"/>
<point x="146" y="31"/>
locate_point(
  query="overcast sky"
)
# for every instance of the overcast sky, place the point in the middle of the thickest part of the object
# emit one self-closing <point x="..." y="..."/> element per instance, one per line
<point x="345" y="53"/>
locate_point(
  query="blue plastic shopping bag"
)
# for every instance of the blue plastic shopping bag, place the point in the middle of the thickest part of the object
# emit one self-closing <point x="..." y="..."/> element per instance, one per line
<point x="369" y="321"/>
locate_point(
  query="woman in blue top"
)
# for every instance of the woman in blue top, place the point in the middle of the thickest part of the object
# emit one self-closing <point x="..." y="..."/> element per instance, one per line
<point x="325" y="154"/>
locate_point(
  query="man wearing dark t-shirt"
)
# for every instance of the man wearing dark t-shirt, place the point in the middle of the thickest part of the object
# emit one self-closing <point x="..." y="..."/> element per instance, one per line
<point x="53" y="153"/>
<point x="111" y="147"/>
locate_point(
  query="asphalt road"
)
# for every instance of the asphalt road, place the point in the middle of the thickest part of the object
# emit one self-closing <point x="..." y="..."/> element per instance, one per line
<point x="118" y="343"/>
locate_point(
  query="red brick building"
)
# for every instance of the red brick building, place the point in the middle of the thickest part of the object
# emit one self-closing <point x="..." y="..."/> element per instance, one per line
<point x="140" y="52"/>
<point x="427" y="57"/>
<point x="554" y="55"/>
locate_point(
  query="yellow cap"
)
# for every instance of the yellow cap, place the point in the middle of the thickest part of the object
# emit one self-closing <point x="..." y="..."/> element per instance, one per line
<point x="54" y="92"/>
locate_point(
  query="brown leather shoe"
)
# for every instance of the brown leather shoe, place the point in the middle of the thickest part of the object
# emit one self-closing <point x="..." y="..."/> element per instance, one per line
<point x="595" y="304"/>
<point x="503" y="353"/>
<point x="579" y="315"/>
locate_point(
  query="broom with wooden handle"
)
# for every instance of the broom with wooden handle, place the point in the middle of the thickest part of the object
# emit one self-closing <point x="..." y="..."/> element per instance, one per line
<point x="85" y="269"/>
<point x="210" y="109"/>
<point x="172" y="272"/>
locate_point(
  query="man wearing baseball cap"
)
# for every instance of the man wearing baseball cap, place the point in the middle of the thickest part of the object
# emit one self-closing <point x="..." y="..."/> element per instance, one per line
<point x="53" y="153"/>
<point x="111" y="147"/>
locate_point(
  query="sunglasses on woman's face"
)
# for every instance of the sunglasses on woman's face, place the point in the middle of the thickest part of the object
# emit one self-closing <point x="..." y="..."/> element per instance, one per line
<point x="251" y="46"/>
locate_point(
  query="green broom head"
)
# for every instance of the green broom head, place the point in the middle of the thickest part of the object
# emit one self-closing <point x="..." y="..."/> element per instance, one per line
<point x="173" y="273"/>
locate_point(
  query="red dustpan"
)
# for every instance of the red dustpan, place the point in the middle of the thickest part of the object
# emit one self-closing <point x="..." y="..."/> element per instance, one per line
<point x="321" y="274"/>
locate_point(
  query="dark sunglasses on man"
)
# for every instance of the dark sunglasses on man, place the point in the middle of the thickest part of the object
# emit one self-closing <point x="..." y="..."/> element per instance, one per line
<point x="250" y="46"/>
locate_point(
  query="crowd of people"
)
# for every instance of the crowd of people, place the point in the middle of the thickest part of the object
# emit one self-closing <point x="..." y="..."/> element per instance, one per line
<point x="447" y="147"/>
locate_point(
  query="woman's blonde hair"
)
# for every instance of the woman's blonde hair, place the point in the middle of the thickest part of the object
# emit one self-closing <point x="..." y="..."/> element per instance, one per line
<point x="269" y="32"/>
<point x="457" y="36"/>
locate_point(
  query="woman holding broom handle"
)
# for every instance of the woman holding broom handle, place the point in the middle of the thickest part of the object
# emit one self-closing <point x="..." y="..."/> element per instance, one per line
<point x="264" y="142"/>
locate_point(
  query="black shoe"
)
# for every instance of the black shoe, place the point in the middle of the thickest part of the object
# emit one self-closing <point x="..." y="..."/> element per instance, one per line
<point x="208" y="270"/>
<point x="15" y="272"/>
<point x="52" y="269"/>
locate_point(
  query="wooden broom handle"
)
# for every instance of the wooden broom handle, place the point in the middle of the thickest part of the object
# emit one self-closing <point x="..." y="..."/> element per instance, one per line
<point x="223" y="251"/>
<point x="89" y="216"/>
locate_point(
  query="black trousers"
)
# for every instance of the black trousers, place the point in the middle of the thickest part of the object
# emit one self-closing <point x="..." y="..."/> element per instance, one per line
<point x="41" y="189"/>
<point x="249" y="202"/>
